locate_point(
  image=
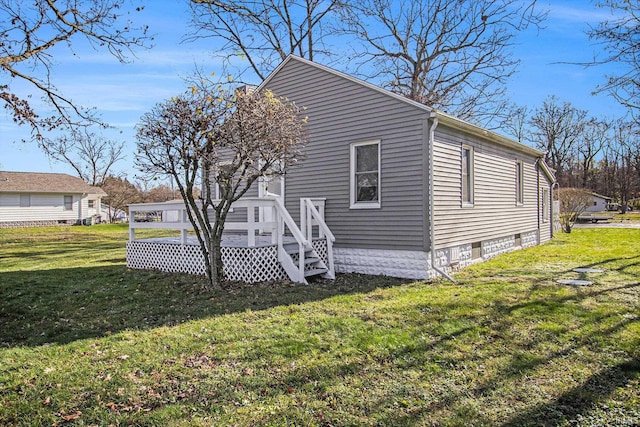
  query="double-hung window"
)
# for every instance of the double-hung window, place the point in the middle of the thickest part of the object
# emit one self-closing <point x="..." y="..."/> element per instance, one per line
<point x="68" y="203"/>
<point x="467" y="175"/>
<point x="25" y="200"/>
<point x="365" y="175"/>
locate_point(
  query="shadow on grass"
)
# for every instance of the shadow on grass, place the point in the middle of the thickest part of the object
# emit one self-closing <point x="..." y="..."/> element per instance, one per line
<point x="580" y="399"/>
<point x="64" y="305"/>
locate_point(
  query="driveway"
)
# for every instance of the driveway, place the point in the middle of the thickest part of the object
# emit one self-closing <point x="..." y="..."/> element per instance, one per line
<point x="606" y="224"/>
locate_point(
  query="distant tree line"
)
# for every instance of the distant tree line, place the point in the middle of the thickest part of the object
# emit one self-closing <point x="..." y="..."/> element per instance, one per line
<point x="595" y="153"/>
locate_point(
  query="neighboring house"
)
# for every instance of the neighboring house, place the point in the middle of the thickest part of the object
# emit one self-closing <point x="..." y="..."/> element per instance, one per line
<point x="600" y="203"/>
<point x="406" y="190"/>
<point x="33" y="199"/>
<point x="110" y="214"/>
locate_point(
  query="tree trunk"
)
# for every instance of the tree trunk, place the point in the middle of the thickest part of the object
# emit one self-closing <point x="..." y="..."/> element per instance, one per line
<point x="217" y="268"/>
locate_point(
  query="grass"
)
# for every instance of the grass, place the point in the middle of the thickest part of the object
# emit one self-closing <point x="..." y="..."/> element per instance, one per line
<point x="84" y="341"/>
<point x="629" y="216"/>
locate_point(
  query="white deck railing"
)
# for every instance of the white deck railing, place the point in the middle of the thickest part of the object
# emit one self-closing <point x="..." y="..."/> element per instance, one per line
<point x="312" y="215"/>
<point x="173" y="215"/>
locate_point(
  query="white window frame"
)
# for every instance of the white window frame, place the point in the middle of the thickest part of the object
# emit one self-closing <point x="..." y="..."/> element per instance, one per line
<point x="64" y="202"/>
<point x="546" y="203"/>
<point x="25" y="200"/>
<point x="469" y="202"/>
<point x="354" y="203"/>
<point x="91" y="203"/>
<point x="519" y="183"/>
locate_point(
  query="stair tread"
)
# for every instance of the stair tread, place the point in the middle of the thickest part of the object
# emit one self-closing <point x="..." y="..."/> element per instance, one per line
<point x="315" y="272"/>
<point x="292" y="251"/>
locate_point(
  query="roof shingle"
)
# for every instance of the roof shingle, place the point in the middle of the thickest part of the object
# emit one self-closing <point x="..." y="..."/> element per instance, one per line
<point x="39" y="182"/>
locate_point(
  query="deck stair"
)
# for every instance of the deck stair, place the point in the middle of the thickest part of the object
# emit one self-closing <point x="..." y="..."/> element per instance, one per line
<point x="300" y="259"/>
<point x="313" y="264"/>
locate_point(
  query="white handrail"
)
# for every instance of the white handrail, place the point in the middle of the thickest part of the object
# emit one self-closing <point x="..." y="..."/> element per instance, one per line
<point x="182" y="223"/>
<point x="296" y="274"/>
<point x="319" y="220"/>
<point x="310" y="216"/>
<point x="291" y="224"/>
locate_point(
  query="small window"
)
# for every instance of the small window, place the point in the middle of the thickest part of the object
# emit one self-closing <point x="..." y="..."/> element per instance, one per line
<point x="365" y="175"/>
<point x="91" y="204"/>
<point x="476" y="250"/>
<point x="467" y="175"/>
<point x="545" y="205"/>
<point x="519" y="183"/>
<point x="518" y="240"/>
<point x="25" y="200"/>
<point x="68" y="203"/>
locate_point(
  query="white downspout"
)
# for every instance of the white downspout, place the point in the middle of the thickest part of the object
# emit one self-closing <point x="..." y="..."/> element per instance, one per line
<point x="432" y="230"/>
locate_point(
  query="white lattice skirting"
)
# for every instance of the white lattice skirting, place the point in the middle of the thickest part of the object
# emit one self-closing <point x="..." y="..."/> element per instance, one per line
<point x="250" y="265"/>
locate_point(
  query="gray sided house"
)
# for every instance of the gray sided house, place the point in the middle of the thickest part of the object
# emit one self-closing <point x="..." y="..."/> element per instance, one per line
<point x="388" y="186"/>
<point x="33" y="199"/>
<point x="408" y="188"/>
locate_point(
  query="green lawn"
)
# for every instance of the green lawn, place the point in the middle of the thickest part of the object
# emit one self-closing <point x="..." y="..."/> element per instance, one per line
<point x="629" y="216"/>
<point x="84" y="341"/>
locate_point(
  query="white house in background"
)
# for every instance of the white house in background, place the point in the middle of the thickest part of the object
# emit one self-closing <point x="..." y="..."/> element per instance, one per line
<point x="599" y="203"/>
<point x="35" y="199"/>
<point x="110" y="214"/>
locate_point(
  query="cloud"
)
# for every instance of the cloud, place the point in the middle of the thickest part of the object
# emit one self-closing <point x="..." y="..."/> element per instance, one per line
<point x="153" y="57"/>
<point x="579" y="15"/>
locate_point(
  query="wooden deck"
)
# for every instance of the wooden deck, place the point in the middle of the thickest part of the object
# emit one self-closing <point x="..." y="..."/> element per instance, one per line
<point x="253" y="249"/>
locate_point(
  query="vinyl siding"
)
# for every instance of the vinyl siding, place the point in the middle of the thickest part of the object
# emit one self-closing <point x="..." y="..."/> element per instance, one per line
<point x="545" y="227"/>
<point x="43" y="207"/>
<point x="342" y="112"/>
<point x="495" y="212"/>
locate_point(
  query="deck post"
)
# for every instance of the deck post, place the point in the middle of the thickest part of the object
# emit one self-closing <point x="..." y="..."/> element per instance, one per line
<point x="275" y="215"/>
<point x="251" y="228"/>
<point x="132" y="230"/>
<point x="183" y="218"/>
<point x="303" y="217"/>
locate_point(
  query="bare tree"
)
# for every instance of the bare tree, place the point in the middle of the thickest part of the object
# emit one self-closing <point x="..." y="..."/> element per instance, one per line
<point x="160" y="193"/>
<point x="263" y="32"/>
<point x="624" y="151"/>
<point x="556" y="129"/>
<point x="91" y="156"/>
<point x="515" y="122"/>
<point x="29" y="30"/>
<point x="595" y="137"/>
<point x="452" y="55"/>
<point x="225" y="138"/>
<point x="573" y="202"/>
<point x="120" y="194"/>
<point x="620" y="37"/>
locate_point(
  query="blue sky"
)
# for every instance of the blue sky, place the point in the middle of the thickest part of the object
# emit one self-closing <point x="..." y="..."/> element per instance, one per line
<point x="122" y="93"/>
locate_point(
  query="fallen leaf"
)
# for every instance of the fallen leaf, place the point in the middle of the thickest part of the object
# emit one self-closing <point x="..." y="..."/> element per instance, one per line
<point x="74" y="416"/>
